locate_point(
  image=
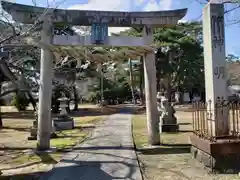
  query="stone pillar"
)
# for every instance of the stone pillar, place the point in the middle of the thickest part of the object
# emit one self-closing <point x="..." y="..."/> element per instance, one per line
<point x="45" y="88"/>
<point x="215" y="63"/>
<point x="151" y="90"/>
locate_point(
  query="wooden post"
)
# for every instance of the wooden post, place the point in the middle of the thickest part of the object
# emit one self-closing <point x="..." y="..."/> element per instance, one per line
<point x="3" y="56"/>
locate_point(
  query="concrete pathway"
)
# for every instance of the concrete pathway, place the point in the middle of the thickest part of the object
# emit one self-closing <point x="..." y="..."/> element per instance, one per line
<point x="107" y="155"/>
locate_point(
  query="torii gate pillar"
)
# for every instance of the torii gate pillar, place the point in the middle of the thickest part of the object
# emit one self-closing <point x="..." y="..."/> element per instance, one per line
<point x="45" y="88"/>
<point x="151" y="89"/>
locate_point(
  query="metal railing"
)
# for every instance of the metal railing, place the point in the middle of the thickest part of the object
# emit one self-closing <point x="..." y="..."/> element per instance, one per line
<point x="221" y="122"/>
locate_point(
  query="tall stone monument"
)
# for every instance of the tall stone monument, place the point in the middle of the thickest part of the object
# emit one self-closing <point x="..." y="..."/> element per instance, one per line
<point x="215" y="64"/>
<point x="99" y="21"/>
<point x="212" y="144"/>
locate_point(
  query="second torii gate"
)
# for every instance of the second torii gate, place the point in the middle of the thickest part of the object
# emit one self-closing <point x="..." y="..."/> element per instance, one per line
<point x="99" y="21"/>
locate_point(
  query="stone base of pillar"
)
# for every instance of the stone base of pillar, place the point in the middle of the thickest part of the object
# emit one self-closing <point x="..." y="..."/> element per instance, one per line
<point x="168" y="124"/>
<point x="33" y="135"/>
<point x="169" y="128"/>
<point x="221" y="156"/>
<point x="33" y="132"/>
<point x="63" y="122"/>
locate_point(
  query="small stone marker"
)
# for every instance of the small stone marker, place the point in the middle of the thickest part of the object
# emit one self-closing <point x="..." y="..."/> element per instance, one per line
<point x="168" y="121"/>
<point x="34" y="129"/>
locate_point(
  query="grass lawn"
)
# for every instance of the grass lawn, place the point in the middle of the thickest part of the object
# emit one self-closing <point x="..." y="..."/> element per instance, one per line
<point x="140" y="130"/>
<point x="17" y="154"/>
<point x="140" y="134"/>
<point x="17" y="151"/>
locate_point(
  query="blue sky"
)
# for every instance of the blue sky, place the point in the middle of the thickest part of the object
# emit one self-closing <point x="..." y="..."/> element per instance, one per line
<point x="194" y="12"/>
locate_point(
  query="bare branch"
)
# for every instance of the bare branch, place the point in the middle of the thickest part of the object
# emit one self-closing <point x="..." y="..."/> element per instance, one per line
<point x="7" y="92"/>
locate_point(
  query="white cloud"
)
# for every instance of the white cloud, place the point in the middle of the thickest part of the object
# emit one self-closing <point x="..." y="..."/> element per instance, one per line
<point x="122" y="5"/>
<point x="154" y="6"/>
<point x="182" y="21"/>
<point x="111" y="5"/>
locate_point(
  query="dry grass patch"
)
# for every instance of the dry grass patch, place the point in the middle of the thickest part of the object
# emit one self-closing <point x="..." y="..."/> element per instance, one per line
<point x="141" y="135"/>
<point x="17" y="151"/>
<point x="140" y="130"/>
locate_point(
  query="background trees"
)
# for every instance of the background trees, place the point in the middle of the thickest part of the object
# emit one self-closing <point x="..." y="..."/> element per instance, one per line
<point x="179" y="58"/>
<point x="179" y="65"/>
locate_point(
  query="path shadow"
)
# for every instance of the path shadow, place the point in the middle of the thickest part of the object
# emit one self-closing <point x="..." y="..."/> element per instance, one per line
<point x="176" y="145"/>
<point x="46" y="158"/>
<point x="166" y="149"/>
<point x="93" y="170"/>
<point x="85" y="127"/>
<point x="183" y="124"/>
<point x="22" y="129"/>
<point x="108" y="154"/>
<point x="6" y="148"/>
<point x="24" y="176"/>
<point x="139" y="110"/>
<point x="97" y="112"/>
<point x="81" y="112"/>
<point x="185" y="131"/>
<point x="28" y="114"/>
<point x="105" y="148"/>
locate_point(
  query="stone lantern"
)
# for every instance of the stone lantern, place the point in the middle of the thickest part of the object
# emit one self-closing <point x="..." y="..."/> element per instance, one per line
<point x="63" y="105"/>
<point x="63" y="121"/>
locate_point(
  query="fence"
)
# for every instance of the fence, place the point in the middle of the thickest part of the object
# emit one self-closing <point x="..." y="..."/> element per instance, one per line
<point x="209" y="124"/>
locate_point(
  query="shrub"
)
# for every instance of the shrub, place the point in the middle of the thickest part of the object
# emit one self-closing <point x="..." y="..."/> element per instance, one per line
<point x="20" y="101"/>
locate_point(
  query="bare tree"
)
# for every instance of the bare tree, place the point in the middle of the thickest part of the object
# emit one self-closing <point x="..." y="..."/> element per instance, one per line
<point x="232" y="10"/>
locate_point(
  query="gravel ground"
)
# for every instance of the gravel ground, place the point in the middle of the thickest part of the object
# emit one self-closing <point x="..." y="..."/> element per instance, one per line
<point x="173" y="164"/>
<point x="177" y="167"/>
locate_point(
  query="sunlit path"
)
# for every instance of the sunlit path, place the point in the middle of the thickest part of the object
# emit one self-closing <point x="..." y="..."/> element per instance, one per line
<point x="108" y="154"/>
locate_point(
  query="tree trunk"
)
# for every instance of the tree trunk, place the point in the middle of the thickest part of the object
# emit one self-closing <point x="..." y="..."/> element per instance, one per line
<point x="141" y="81"/>
<point x="75" y="98"/>
<point x="169" y="88"/>
<point x="166" y="86"/>
<point x="158" y="82"/>
<point x="158" y="75"/>
<point x="1" y="123"/>
<point x="131" y="80"/>
<point x="169" y="77"/>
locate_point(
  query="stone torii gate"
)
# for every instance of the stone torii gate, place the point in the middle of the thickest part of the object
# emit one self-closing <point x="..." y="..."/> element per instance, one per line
<point x="99" y="21"/>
